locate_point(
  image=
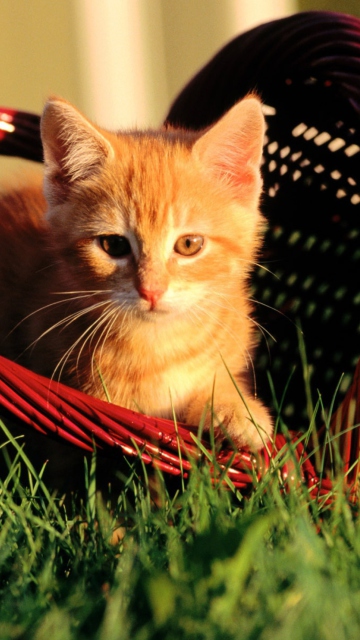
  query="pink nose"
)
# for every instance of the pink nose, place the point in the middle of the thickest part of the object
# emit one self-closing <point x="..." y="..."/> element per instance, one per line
<point x="151" y="295"/>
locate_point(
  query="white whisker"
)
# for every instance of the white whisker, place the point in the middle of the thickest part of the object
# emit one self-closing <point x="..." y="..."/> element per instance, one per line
<point x="67" y="321"/>
<point x="111" y="316"/>
<point x="100" y="322"/>
<point x="81" y="295"/>
<point x="268" y="306"/>
<point x="260" y="266"/>
<point x="89" y="330"/>
<point x="265" y="332"/>
<point x="86" y="291"/>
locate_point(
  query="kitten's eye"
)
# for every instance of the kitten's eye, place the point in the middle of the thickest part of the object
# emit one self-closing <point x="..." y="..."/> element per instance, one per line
<point x="115" y="246"/>
<point x="189" y="245"/>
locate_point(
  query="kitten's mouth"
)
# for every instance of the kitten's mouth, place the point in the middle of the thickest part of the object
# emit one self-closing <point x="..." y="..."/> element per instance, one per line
<point x="156" y="311"/>
<point x="152" y="312"/>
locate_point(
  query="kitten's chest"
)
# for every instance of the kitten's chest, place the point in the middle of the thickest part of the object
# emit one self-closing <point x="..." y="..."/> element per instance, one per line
<point x="151" y="381"/>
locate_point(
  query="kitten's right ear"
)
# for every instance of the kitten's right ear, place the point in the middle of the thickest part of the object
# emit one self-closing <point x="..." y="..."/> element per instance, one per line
<point x="73" y="148"/>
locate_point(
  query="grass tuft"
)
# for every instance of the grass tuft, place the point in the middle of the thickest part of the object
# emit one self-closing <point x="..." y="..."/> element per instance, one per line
<point x="188" y="559"/>
<point x="200" y="562"/>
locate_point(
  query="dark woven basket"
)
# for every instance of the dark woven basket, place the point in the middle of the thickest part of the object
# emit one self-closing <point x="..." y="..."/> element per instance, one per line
<point x="307" y="70"/>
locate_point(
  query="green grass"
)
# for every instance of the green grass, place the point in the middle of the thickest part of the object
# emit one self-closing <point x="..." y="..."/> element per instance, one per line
<point x="203" y="562"/>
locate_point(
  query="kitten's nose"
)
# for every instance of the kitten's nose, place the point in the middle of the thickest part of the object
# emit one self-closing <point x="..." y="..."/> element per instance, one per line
<point x="151" y="295"/>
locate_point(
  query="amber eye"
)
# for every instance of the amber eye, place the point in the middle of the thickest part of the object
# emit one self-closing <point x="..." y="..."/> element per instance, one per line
<point x="115" y="246"/>
<point x="189" y="245"/>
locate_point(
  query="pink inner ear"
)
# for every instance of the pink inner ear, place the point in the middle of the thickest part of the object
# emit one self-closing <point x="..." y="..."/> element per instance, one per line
<point x="231" y="150"/>
<point x="73" y="148"/>
<point x="233" y="159"/>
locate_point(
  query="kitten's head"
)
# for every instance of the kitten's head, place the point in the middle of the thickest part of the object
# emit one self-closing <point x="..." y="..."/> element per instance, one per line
<point x="162" y="221"/>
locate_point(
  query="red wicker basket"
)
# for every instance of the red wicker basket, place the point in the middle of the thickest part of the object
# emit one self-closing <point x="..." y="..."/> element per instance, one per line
<point x="307" y="69"/>
<point x="55" y="410"/>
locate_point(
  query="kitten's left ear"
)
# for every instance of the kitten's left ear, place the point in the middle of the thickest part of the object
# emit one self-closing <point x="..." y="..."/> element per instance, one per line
<point x="73" y="148"/>
<point x="231" y="150"/>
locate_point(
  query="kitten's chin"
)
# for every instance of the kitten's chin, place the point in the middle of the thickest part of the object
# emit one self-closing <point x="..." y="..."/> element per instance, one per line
<point x="154" y="315"/>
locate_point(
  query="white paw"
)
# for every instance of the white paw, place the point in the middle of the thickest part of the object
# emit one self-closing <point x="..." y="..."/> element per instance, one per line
<point x="247" y="428"/>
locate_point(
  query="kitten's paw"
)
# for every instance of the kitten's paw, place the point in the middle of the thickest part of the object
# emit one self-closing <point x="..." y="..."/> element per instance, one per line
<point x="247" y="428"/>
<point x="247" y="425"/>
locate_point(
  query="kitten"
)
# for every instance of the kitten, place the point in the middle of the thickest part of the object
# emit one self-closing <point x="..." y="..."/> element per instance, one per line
<point x="130" y="267"/>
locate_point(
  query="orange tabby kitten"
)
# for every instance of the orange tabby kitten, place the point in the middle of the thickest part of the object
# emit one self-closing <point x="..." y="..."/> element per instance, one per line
<point x="135" y="262"/>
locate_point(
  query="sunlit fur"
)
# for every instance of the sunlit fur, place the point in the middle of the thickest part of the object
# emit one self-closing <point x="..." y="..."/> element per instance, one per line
<point x="72" y="312"/>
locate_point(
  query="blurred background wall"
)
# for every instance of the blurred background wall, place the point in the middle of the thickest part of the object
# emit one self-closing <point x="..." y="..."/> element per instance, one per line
<point x="122" y="61"/>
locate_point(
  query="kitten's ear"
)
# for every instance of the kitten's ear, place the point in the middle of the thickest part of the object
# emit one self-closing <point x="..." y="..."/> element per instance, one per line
<point x="231" y="150"/>
<point x="73" y="148"/>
